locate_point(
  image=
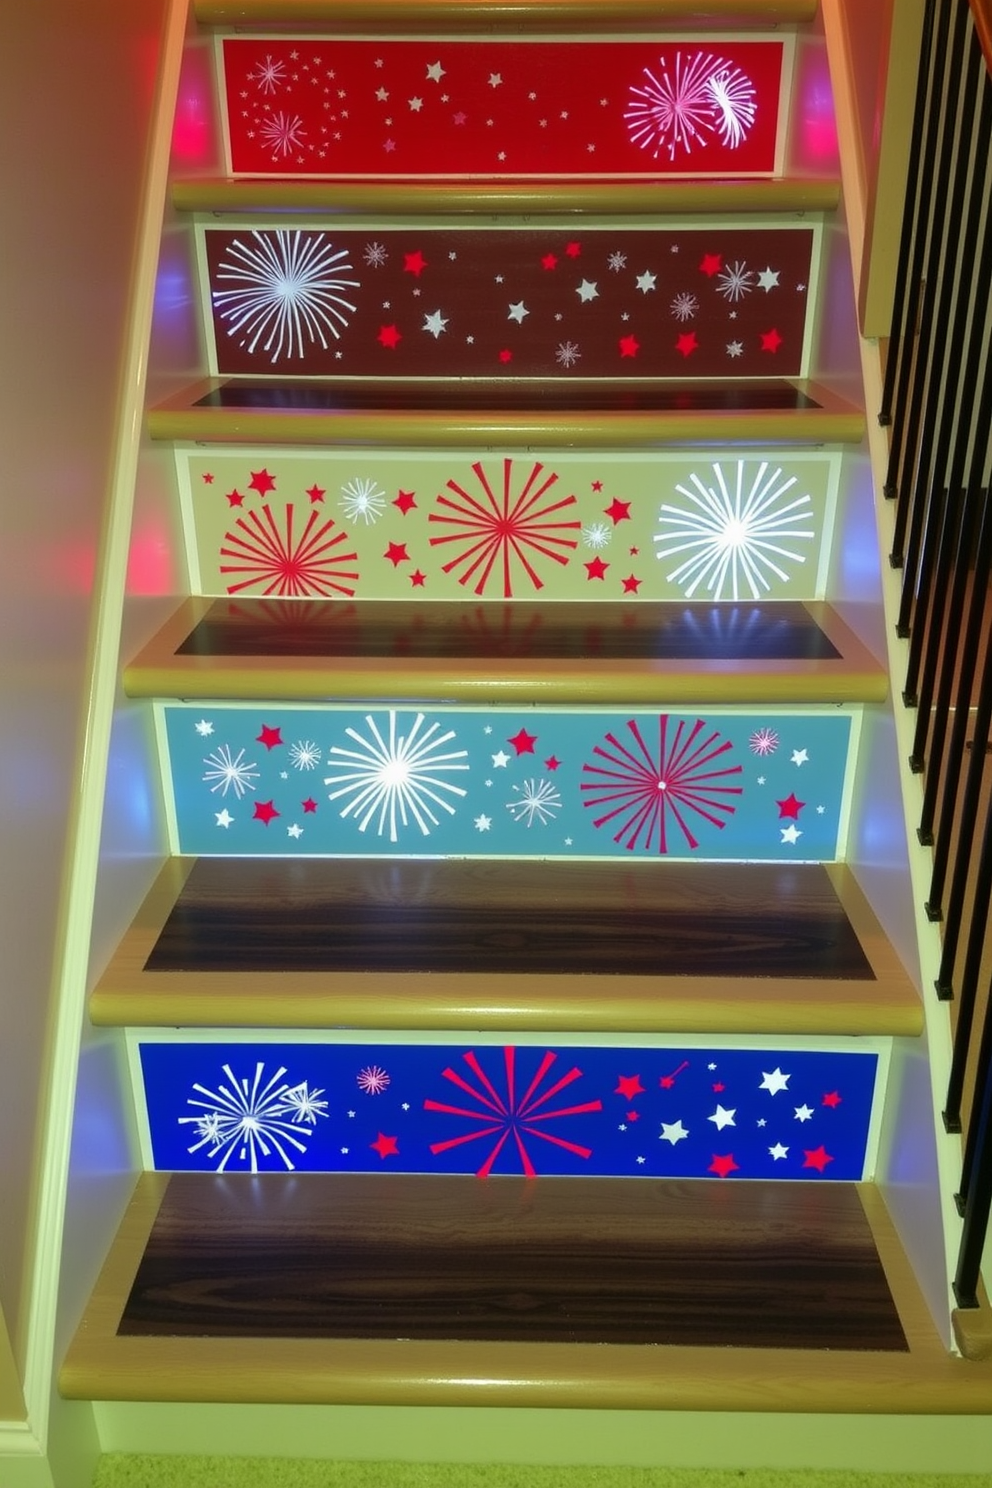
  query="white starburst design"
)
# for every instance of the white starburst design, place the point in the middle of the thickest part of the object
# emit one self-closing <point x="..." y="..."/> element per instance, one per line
<point x="617" y="261"/>
<point x="735" y="282"/>
<point x="230" y="772"/>
<point x="684" y="306"/>
<point x="372" y="1079"/>
<point x="734" y="531"/>
<point x="700" y="96"/>
<point x="763" y="741"/>
<point x="286" y="291"/>
<point x="283" y="133"/>
<point x="596" y="535"/>
<point x="567" y="354"/>
<point x="249" y="1121"/>
<point x="375" y="255"/>
<point x="397" y="780"/>
<point x="304" y="754"/>
<point x="268" y="75"/>
<point x="537" y="801"/>
<point x="362" y="501"/>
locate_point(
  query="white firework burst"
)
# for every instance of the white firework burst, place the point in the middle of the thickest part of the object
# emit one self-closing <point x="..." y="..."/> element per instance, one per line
<point x="283" y="133"/>
<point x="398" y="780"/>
<point x="763" y="741"/>
<point x="362" y="501"/>
<point x="684" y="306"/>
<point x="617" y="261"/>
<point x="375" y="255"/>
<point x="373" y="1079"/>
<point x="230" y="772"/>
<point x="254" y="1121"/>
<point x="304" y="754"/>
<point x="700" y="96"/>
<point x="596" y="535"/>
<point x="735" y="282"/>
<point x="268" y="75"/>
<point x="733" y="534"/>
<point x="285" y="291"/>
<point x="567" y="354"/>
<point x="537" y="801"/>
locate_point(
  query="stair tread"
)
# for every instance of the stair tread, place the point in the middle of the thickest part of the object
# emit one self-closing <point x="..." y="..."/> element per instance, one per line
<point x="575" y="946"/>
<point x="533" y="14"/>
<point x="488" y="650"/>
<point x="808" y="1299"/>
<point x="458" y="411"/>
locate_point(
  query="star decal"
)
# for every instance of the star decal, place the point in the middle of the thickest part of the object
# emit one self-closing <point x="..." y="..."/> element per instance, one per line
<point x="435" y="323"/>
<point x="791" y="835"/>
<point x="596" y="568"/>
<point x="295" y="830"/>
<point x="501" y="759"/>
<point x="495" y="79"/>
<point x="204" y="728"/>
<point x="270" y="737"/>
<point x="396" y="553"/>
<point x="483" y="823"/>
<point x="265" y="812"/>
<point x="224" y="818"/>
<point x="629" y="346"/>
<point x="385" y="1146"/>
<point x="617" y="511"/>
<point x="517" y="312"/>
<point x="722" y="1117"/>
<point x="414" y="263"/>
<point x="405" y="502"/>
<point x="711" y="264"/>
<point x="309" y="805"/>
<point x="435" y="72"/>
<point x="552" y="763"/>
<point x="549" y="261"/>
<point x="832" y="1098"/>
<point x="262" y="482"/>
<point x="208" y="479"/>
<point x="800" y="756"/>
<point x="316" y="494"/>
<point x="768" y="279"/>
<point x="628" y="1086"/>
<point x="790" y="807"/>
<point x="723" y="1166"/>
<point x="646" y="282"/>
<point x="687" y="343"/>
<point x="389" y="337"/>
<point x="804" y="1113"/>
<point x="418" y="579"/>
<point x="817" y="1159"/>
<point x="587" y="291"/>
<point x="235" y="498"/>
<point x="523" y="742"/>
<point x="778" y="1151"/>
<point x="415" y="104"/>
<point x="506" y="356"/>
<point x="631" y="584"/>
<point x="673" y="1131"/>
<point x="774" y="1081"/>
<point x="770" y="340"/>
<point x="573" y="249"/>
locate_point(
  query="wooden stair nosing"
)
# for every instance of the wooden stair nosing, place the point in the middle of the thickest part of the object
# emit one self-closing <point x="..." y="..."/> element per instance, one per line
<point x="100" y="1364"/>
<point x="464" y="16"/>
<point x="129" y="994"/>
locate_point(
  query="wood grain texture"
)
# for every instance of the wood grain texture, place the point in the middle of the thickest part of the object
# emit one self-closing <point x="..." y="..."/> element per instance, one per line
<point x="603" y="1260"/>
<point x="473" y="15"/>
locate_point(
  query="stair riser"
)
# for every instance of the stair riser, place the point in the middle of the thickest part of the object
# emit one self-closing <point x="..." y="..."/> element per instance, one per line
<point x="401" y="524"/>
<point x="561" y="108"/>
<point x="664" y="1110"/>
<point x="342" y="781"/>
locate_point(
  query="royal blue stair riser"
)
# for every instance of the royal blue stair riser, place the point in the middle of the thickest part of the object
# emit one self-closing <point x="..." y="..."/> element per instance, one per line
<point x="275" y="780"/>
<point x="226" y="1105"/>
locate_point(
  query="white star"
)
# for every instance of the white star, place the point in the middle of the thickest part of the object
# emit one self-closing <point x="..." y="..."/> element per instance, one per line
<point x="641" y="1159"/>
<point x="761" y="1121"/>
<point x="501" y="760"/>
<point x="416" y="104"/>
<point x="488" y="728"/>
<point x="351" y="1113"/>
<point x="495" y="79"/>
<point x="435" y="72"/>
<point x="517" y="312"/>
<point x="820" y="810"/>
<point x="532" y="96"/>
<point x="295" y="830"/>
<point x="768" y="279"/>
<point x="711" y="1066"/>
<point x="345" y="1150"/>
<point x="778" y="1151"/>
<point x="224" y="818"/>
<point x="761" y="779"/>
<point x="483" y="823"/>
<point x="389" y="146"/>
<point x="435" y="323"/>
<point x="735" y="348"/>
<point x="382" y="94"/>
<point x="773" y="1082"/>
<point x="204" y="728"/>
<point x="622" y="1126"/>
<point x="405" y="1106"/>
<point x="587" y="291"/>
<point x="791" y="834"/>
<point x="722" y="1117"/>
<point x="646" y="281"/>
<point x="804" y="1113"/>
<point x="672" y="1131"/>
<point x="800" y="756"/>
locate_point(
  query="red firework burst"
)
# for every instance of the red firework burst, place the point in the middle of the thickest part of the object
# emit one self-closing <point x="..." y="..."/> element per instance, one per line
<point x="642" y="788"/>
<point x="505" y="1116"/>
<point x="309" y="564"/>
<point x="494" y="531"/>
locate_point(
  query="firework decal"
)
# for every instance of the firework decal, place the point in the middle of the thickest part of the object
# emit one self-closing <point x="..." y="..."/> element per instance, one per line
<point x="393" y="781"/>
<point x="280" y="292"/>
<point x="717" y="1113"/>
<point x="277" y="553"/>
<point x="600" y="106"/>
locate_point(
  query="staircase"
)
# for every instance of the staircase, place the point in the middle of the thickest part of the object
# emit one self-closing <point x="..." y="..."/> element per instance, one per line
<point x="509" y="1018"/>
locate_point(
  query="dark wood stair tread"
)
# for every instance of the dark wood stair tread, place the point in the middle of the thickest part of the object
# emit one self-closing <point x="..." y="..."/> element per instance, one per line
<point x="485" y="651"/>
<point x="574" y="946"/>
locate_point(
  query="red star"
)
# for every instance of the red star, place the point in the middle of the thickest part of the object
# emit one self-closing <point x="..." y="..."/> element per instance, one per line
<point x="552" y="763"/>
<point x="523" y="742"/>
<point x="629" y="346"/>
<point x="506" y="356"/>
<point x="235" y="498"/>
<point x="573" y="249"/>
<point x="418" y="579"/>
<point x="770" y="340"/>
<point x="262" y="482"/>
<point x="208" y="480"/>
<point x="389" y="336"/>
<point x="597" y="485"/>
<point x="397" y="554"/>
<point x="718" y="1086"/>
<point x="710" y="264"/>
<point x="723" y="1166"/>
<point x="385" y="1146"/>
<point x="264" y="812"/>
<point x="832" y="1098"/>
<point x="634" y="552"/>
<point x="617" y="511"/>
<point x="687" y="343"/>
<point x="405" y="501"/>
<point x="316" y="494"/>
<point x="270" y="737"/>
<point x="628" y="1086"/>
<point x="596" y="569"/>
<point x="790" y="806"/>
<point x="817" y="1159"/>
<point x="309" y="804"/>
<point x="414" y="263"/>
<point x="549" y="261"/>
<point x="633" y="1116"/>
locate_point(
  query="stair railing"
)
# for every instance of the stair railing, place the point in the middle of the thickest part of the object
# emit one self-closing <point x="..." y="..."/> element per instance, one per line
<point x="937" y="398"/>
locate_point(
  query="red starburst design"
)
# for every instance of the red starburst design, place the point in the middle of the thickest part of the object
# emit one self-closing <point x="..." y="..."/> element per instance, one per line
<point x="642" y="787"/>
<point x="505" y="1115"/>
<point x="279" y="563"/>
<point x="494" y="530"/>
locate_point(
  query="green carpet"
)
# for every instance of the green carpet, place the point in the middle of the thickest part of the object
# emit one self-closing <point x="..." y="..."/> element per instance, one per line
<point x="124" y="1470"/>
